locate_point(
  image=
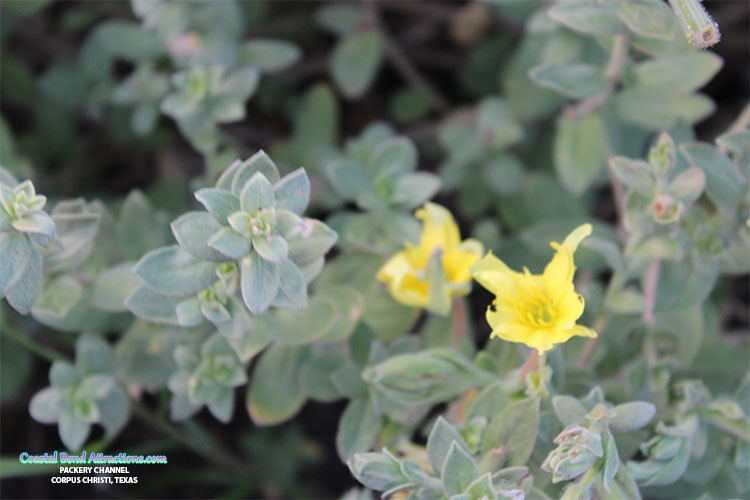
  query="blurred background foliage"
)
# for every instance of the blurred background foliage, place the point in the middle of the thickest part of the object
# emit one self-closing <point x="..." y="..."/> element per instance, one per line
<point x="98" y="99"/>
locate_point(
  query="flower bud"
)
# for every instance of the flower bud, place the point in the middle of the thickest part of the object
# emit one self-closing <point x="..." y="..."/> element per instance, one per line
<point x="665" y="209"/>
<point x="663" y="156"/>
<point x="578" y="449"/>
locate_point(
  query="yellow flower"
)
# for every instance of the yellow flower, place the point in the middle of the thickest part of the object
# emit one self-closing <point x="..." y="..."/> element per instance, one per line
<point x="537" y="310"/>
<point x="431" y="273"/>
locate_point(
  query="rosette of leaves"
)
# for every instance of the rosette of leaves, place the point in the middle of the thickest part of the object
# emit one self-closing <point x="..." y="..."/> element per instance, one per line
<point x="24" y="228"/>
<point x="207" y="95"/>
<point x="478" y="142"/>
<point x="377" y="172"/>
<point x="82" y="394"/>
<point x="205" y="376"/>
<point x="251" y="243"/>
<point x="587" y="450"/>
<point x="451" y="469"/>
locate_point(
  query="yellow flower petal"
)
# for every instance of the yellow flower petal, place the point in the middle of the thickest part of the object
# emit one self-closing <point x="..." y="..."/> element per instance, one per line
<point x="406" y="273"/>
<point x="493" y="274"/>
<point x="537" y="310"/>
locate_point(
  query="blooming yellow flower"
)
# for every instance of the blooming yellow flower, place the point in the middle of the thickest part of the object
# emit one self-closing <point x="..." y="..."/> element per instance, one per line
<point x="432" y="272"/>
<point x="537" y="310"/>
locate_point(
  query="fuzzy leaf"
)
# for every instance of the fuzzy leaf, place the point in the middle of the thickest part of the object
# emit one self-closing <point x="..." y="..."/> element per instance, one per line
<point x="259" y="282"/>
<point x="173" y="272"/>
<point x="275" y="393"/>
<point x="293" y="192"/>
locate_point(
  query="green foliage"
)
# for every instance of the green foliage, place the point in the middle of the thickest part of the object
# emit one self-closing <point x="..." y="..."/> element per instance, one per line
<point x="265" y="283"/>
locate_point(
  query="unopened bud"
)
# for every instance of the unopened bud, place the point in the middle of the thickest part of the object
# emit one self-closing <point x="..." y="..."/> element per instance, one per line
<point x="665" y="209"/>
<point x="663" y="156"/>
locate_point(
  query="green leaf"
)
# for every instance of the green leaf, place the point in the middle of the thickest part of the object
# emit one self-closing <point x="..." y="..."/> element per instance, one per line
<point x="16" y="250"/>
<point x="459" y="470"/>
<point x="59" y="296"/>
<point x="439" y="442"/>
<point x="230" y="243"/>
<point x="47" y="405"/>
<point x="221" y="404"/>
<point x="377" y="471"/>
<point x="679" y="74"/>
<point x="151" y="306"/>
<point x="306" y="326"/>
<point x="724" y="183"/>
<point x="568" y="409"/>
<point x="632" y="416"/>
<point x="23" y="292"/>
<point x="608" y="249"/>
<point x="310" y="240"/>
<point x="658" y="109"/>
<point x="611" y="460"/>
<point x="392" y="157"/>
<point x="576" y="80"/>
<point x="73" y="431"/>
<point x="275" y="393"/>
<point x="259" y="162"/>
<point x="349" y="179"/>
<point x="36" y="223"/>
<point x="688" y="185"/>
<point x="515" y="430"/>
<point x="482" y="488"/>
<point x="93" y="355"/>
<point x="220" y="202"/>
<point x="293" y="192"/>
<point x="256" y="194"/>
<point x="272" y="247"/>
<point x="269" y="55"/>
<point x="173" y="272"/>
<point x="193" y="230"/>
<point x="339" y="18"/>
<point x="587" y="18"/>
<point x="635" y="174"/>
<point x="358" y="428"/>
<point x="412" y="190"/>
<point x="496" y="126"/>
<point x="316" y="377"/>
<point x="648" y="19"/>
<point x="112" y="286"/>
<point x="259" y="282"/>
<point x="292" y="284"/>
<point x="355" y="61"/>
<point x="580" y="151"/>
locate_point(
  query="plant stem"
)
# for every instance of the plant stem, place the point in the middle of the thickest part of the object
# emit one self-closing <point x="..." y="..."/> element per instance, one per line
<point x="32" y="345"/>
<point x="531" y="364"/>
<point x="617" y="59"/>
<point x="650" y="286"/>
<point x="458" y="318"/>
<point x="599" y="325"/>
<point x="577" y="490"/>
<point x="217" y="456"/>
<point x="402" y="63"/>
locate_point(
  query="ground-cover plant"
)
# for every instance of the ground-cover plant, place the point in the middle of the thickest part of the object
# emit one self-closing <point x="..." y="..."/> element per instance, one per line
<point x="334" y="194"/>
